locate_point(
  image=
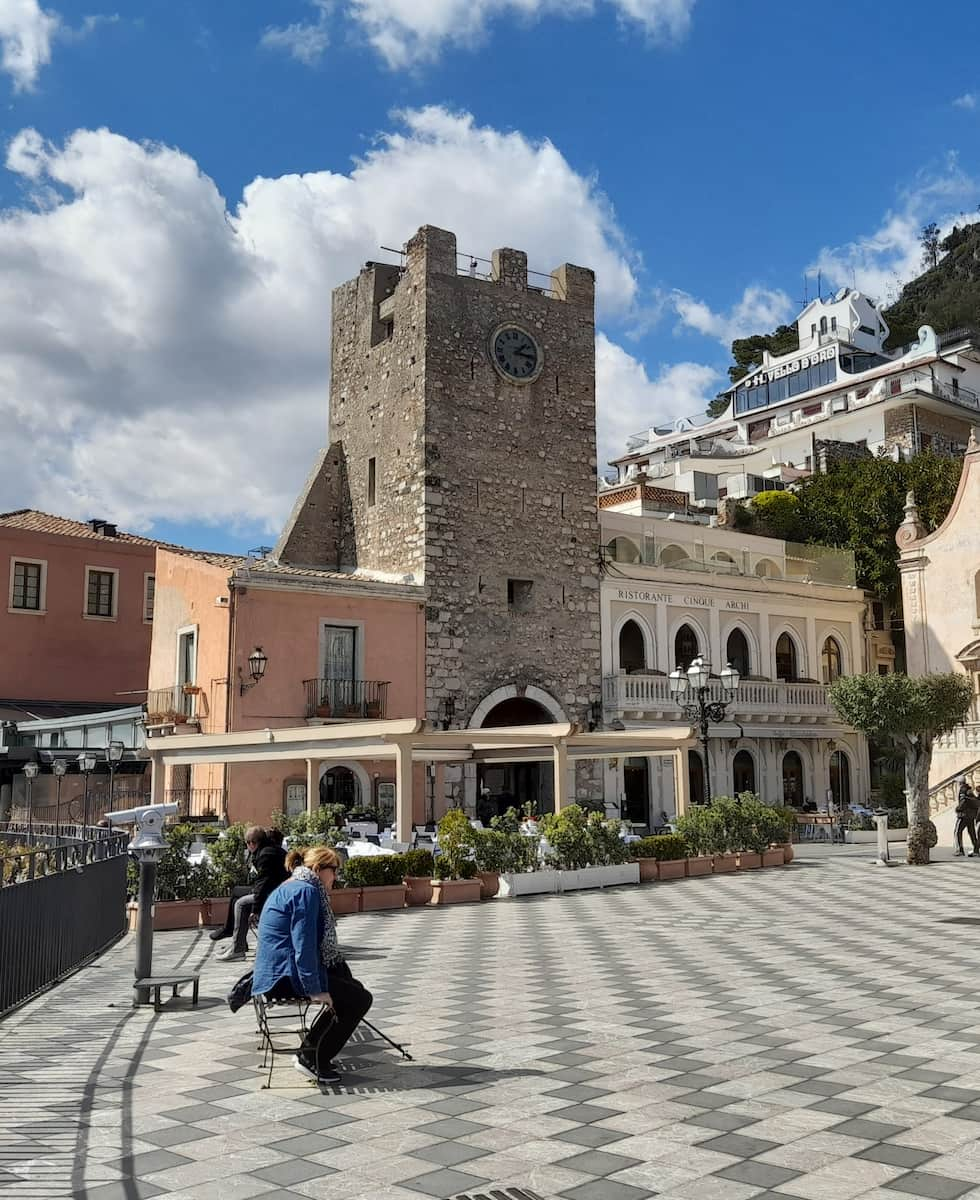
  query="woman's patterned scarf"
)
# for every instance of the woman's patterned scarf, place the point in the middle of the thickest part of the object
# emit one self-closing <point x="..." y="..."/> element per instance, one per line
<point x="329" y="950"/>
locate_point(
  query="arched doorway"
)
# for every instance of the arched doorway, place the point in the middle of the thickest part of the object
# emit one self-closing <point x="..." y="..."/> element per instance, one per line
<point x="506" y="785"/>
<point x="840" y="779"/>
<point x="632" y="650"/>
<point x="339" y="785"/>
<point x="793" y="779"/>
<point x="685" y="647"/>
<point x="636" y="791"/>
<point x="743" y="772"/>
<point x="695" y="777"/>
<point x="830" y="660"/>
<point x="622" y="550"/>
<point x="786" y="668"/>
<point x="737" y="652"/>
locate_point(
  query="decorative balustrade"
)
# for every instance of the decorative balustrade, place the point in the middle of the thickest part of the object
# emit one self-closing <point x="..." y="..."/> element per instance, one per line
<point x="641" y="693"/>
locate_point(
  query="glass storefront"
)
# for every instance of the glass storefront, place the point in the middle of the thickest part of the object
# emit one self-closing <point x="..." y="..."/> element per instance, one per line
<point x="747" y="399"/>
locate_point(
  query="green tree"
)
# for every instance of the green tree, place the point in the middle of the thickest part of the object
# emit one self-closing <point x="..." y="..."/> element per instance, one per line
<point x="717" y="407"/>
<point x="747" y="352"/>
<point x="859" y="504"/>
<point x="929" y="239"/>
<point x="913" y="712"/>
<point x="777" y="515"/>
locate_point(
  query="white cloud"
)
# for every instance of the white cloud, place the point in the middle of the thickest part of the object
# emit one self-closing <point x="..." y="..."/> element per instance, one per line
<point x="163" y="356"/>
<point x="880" y="262"/>
<point x="968" y="101"/>
<point x="759" y="311"/>
<point x="305" y="41"/>
<point x="26" y="34"/>
<point x="628" y="400"/>
<point x="406" y="32"/>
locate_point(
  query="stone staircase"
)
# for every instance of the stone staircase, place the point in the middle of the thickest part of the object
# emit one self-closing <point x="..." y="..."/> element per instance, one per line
<point x="942" y="795"/>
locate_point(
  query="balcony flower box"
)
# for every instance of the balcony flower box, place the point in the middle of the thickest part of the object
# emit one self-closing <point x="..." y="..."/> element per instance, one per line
<point x="373" y="710"/>
<point x="527" y="883"/>
<point x="381" y="896"/>
<point x="323" y="710"/>
<point x="725" y="864"/>
<point x="598" y="877"/>
<point x="749" y="860"/>
<point x="672" y="868"/>
<point x="344" y="901"/>
<point x="700" y="864"/>
<point x="774" y="857"/>
<point x="455" y="891"/>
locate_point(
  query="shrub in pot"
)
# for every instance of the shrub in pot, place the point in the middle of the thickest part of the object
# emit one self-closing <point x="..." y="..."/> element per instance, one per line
<point x="645" y="853"/>
<point x="416" y="868"/>
<point x="568" y="837"/>
<point x="379" y="876"/>
<point x="695" y="827"/>
<point x="454" y="875"/>
<point x="669" y="853"/>
<point x="492" y="854"/>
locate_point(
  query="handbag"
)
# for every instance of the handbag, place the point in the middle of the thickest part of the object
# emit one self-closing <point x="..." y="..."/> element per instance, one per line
<point x="240" y="993"/>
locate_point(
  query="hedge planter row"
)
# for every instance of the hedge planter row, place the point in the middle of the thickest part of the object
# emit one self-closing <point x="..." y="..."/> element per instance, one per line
<point x="181" y="914"/>
<point x="652" y="869"/>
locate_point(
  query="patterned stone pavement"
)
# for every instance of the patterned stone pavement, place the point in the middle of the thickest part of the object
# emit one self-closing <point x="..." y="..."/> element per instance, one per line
<point x="808" y="1032"/>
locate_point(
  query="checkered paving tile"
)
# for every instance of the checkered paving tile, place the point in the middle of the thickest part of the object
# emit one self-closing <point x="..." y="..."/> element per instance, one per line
<point x="807" y="1033"/>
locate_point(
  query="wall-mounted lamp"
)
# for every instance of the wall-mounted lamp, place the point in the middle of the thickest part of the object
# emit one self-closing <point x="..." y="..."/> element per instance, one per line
<point x="257" y="663"/>
<point x="447" y="711"/>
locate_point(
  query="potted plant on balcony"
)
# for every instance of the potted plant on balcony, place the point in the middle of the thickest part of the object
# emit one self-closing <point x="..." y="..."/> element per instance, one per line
<point x="417" y="866"/>
<point x="379" y="876"/>
<point x="372" y="710"/>
<point x="323" y="708"/>
<point x="454" y="875"/>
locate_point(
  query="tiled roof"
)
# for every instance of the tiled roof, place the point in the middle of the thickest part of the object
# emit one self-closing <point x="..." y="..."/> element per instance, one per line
<point x="266" y="566"/>
<point x="40" y="522"/>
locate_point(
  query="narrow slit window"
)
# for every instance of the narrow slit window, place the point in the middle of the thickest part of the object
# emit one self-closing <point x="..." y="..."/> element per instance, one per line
<point x="372" y="481"/>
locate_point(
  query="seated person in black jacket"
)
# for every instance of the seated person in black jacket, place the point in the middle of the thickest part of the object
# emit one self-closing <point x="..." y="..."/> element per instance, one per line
<point x="268" y="862"/>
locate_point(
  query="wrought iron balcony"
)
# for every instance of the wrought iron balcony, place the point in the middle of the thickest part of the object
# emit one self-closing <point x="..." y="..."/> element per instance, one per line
<point x="346" y="699"/>
<point x="174" y="705"/>
<point x="197" y="802"/>
<point x="759" y="698"/>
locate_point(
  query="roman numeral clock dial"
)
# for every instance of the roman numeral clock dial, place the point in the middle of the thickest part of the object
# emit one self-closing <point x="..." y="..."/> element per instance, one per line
<point x="515" y="354"/>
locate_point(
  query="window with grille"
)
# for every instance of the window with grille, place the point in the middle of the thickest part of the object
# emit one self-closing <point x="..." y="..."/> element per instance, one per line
<point x="26" y="590"/>
<point x="101" y="588"/>
<point x="149" y="595"/>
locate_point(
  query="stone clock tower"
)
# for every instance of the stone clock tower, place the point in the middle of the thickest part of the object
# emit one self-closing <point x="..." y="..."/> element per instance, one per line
<point x="462" y="422"/>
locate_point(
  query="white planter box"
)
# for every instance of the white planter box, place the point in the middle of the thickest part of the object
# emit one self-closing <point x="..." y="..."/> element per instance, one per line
<point x="528" y="883"/>
<point x="598" y="877"/>
<point x="870" y="836"/>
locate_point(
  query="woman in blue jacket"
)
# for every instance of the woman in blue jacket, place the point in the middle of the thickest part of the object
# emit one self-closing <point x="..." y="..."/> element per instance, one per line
<point x="297" y="955"/>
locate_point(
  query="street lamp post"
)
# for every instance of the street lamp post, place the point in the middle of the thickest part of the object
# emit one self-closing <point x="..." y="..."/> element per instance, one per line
<point x="86" y="765"/>
<point x="114" y="753"/>
<point x="699" y="709"/>
<point x="30" y="774"/>
<point x="58" y="768"/>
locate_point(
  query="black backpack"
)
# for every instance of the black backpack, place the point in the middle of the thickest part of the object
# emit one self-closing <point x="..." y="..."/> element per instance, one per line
<point x="241" y="992"/>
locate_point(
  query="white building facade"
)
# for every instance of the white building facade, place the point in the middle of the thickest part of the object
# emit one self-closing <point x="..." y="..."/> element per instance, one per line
<point x="789" y="619"/>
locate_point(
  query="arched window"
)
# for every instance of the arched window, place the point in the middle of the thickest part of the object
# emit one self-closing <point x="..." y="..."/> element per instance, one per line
<point x="695" y="777"/>
<point x="672" y="555"/>
<point x="840" y="779"/>
<point x="685" y="647"/>
<point x="743" y="772"/>
<point x="785" y="658"/>
<point x="632" y="652"/>
<point x="765" y="568"/>
<point x="831" y="660"/>
<point x="737" y="651"/>
<point x="622" y="550"/>
<point x="724" y="562"/>
<point x="792" y="779"/>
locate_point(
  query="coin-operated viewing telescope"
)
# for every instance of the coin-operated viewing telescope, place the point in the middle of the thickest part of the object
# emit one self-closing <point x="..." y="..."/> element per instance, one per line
<point x="148" y="845"/>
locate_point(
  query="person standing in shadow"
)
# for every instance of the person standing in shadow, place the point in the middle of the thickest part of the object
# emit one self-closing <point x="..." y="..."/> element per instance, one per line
<point x="967" y="809"/>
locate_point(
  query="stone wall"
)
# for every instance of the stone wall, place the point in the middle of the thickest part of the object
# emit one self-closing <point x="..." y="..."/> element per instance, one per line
<point x="906" y="426"/>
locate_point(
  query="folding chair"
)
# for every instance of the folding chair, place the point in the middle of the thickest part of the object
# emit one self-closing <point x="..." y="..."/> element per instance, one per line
<point x="277" y="1019"/>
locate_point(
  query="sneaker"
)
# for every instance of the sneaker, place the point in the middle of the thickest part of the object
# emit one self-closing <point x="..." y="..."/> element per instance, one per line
<point x="957" y="853"/>
<point x="305" y="1068"/>
<point x="217" y="935"/>
<point x="230" y="954"/>
<point x="330" y="1075"/>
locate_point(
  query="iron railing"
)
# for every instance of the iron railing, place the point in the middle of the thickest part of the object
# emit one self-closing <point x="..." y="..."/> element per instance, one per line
<point x="197" y="802"/>
<point x="172" y="706"/>
<point x="347" y="699"/>
<point x="64" y="903"/>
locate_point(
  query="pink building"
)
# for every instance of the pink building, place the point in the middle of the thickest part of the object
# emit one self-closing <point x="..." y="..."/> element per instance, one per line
<point x="330" y="646"/>
<point x="75" y="627"/>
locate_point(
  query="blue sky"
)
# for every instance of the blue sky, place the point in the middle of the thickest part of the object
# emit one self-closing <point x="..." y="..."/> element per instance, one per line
<point x="186" y="180"/>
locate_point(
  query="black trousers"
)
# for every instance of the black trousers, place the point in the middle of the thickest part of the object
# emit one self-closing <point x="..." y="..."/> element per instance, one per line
<point x="965" y="824"/>
<point x="328" y="1036"/>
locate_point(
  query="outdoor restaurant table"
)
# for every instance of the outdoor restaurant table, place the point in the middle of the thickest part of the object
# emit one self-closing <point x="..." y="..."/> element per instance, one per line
<point x="819" y="827"/>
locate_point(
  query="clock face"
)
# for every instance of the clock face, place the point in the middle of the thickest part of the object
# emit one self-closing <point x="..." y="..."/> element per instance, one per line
<point x="516" y="354"/>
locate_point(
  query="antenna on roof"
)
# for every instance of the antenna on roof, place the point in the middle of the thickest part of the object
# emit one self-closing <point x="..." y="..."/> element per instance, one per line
<point x="820" y="286"/>
<point x="806" y="293"/>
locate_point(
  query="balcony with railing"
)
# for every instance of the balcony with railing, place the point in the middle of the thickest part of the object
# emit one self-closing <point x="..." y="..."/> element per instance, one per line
<point x="178" y="705"/>
<point x="346" y="699"/>
<point x="197" y="803"/>
<point x="641" y="693"/>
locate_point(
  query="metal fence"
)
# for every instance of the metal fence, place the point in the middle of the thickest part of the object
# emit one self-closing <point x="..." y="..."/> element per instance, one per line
<point x="63" y="903"/>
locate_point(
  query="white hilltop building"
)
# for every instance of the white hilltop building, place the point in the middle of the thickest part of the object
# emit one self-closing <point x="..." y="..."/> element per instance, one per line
<point x="841" y="394"/>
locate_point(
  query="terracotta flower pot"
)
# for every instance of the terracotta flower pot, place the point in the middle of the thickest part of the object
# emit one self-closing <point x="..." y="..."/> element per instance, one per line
<point x="672" y="868"/>
<point x="213" y="912"/>
<point x="388" y="895"/>
<point x="749" y="860"/>
<point x="489" y="884"/>
<point x="725" y="863"/>
<point x="648" y="870"/>
<point x="345" y="901"/>
<point x="176" y="914"/>
<point x="773" y="857"/>
<point x="455" y="891"/>
<point x="418" y="890"/>
<point x="700" y="864"/>
<point x="787" y="852"/>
